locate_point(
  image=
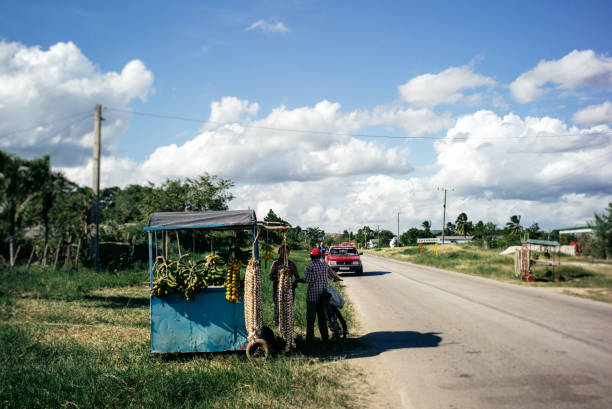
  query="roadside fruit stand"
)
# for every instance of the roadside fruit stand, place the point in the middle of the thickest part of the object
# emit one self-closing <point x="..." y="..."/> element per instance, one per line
<point x="197" y="305"/>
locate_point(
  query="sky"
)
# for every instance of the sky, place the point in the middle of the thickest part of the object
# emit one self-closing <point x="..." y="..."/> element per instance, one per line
<point x="333" y="114"/>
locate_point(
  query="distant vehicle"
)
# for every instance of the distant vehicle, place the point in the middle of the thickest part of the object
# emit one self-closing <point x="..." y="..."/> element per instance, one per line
<point x="345" y="258"/>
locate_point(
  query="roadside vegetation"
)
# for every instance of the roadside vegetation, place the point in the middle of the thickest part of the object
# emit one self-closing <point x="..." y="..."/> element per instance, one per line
<point x="81" y="339"/>
<point x="581" y="275"/>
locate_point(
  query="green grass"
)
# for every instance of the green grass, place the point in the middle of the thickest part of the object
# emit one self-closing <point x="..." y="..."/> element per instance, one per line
<point x="470" y="259"/>
<point x="81" y="339"/>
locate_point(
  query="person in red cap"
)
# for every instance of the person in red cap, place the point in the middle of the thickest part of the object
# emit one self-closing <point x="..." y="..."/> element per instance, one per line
<point x="316" y="275"/>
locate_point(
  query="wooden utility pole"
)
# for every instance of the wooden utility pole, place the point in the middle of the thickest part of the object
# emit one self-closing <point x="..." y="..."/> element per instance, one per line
<point x="96" y="186"/>
<point x="444" y="213"/>
<point x="398" y="240"/>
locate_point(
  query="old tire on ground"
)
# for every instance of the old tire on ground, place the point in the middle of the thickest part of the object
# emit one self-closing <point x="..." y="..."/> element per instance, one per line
<point x="257" y="350"/>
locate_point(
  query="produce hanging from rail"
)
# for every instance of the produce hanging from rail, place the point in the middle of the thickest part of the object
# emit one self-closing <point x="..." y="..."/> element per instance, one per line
<point x="253" y="316"/>
<point x="285" y="307"/>
<point x="232" y="282"/>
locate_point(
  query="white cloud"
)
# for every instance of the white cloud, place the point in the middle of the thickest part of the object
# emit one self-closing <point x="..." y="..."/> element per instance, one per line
<point x="263" y="25"/>
<point x="594" y="114"/>
<point x="47" y="86"/>
<point x="578" y="69"/>
<point x="524" y="159"/>
<point x="230" y="109"/>
<point x="445" y="87"/>
<point x="273" y="148"/>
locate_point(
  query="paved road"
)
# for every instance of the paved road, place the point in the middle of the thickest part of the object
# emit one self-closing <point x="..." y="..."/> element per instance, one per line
<point x="448" y="340"/>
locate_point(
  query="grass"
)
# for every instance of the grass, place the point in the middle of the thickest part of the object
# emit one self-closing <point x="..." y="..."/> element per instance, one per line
<point x="581" y="276"/>
<point x="81" y="339"/>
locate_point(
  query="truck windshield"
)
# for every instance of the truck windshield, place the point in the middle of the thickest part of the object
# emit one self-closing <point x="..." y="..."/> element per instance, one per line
<point x="341" y="251"/>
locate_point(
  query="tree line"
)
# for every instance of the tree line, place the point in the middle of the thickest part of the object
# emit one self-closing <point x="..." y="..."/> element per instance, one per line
<point x="46" y="217"/>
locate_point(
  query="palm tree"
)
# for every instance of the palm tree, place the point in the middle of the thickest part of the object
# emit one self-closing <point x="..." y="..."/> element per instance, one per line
<point x="427" y="227"/>
<point x="462" y="224"/>
<point x="514" y="225"/>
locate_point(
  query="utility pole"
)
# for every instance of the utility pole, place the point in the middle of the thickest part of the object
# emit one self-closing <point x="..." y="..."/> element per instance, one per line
<point x="96" y="185"/>
<point x="444" y="213"/>
<point x="398" y="240"/>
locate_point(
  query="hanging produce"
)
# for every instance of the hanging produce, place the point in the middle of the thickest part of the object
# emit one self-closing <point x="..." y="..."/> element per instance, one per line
<point x="253" y="316"/>
<point x="232" y="282"/>
<point x="186" y="277"/>
<point x="285" y="307"/>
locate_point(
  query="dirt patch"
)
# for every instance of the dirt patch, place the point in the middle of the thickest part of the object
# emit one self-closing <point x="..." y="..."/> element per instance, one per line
<point x="599" y="294"/>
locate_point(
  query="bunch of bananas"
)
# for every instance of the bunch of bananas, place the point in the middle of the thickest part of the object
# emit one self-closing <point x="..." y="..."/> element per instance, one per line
<point x="232" y="282"/>
<point x="215" y="270"/>
<point x="184" y="276"/>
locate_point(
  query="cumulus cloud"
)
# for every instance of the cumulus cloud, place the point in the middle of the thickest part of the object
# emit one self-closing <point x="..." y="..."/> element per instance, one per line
<point x="578" y="69"/>
<point x="263" y="25"/>
<point x="347" y="203"/>
<point x="524" y="159"/>
<point x="429" y="90"/>
<point x="594" y="114"/>
<point x="57" y="89"/>
<point x="275" y="148"/>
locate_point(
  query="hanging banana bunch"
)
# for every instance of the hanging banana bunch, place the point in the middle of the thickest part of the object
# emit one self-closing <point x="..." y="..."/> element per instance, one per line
<point x="253" y="317"/>
<point x="285" y="307"/>
<point x="232" y="282"/>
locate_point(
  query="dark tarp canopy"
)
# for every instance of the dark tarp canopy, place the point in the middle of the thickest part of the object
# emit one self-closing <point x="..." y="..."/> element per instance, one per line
<point x="212" y="219"/>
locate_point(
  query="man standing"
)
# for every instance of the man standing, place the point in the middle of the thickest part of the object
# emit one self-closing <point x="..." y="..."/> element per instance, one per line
<point x="316" y="275"/>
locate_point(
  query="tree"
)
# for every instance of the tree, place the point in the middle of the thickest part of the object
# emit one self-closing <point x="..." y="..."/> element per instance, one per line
<point x="385" y="238"/>
<point x="533" y="231"/>
<point x="514" y="225"/>
<point x="20" y="183"/>
<point x="450" y="229"/>
<point x="427" y="228"/>
<point x="364" y="234"/>
<point x="275" y="237"/>
<point x="479" y="229"/>
<point x="314" y="235"/>
<point x="203" y="193"/>
<point x="411" y="235"/>
<point x="296" y="239"/>
<point x="462" y="224"/>
<point x="601" y="245"/>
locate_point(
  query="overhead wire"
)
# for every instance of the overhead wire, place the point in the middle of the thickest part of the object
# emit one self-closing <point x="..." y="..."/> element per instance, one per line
<point x="81" y="115"/>
<point x="362" y="135"/>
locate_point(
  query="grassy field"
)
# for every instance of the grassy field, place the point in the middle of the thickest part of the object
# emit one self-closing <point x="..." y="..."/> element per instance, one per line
<point x="81" y="340"/>
<point x="581" y="276"/>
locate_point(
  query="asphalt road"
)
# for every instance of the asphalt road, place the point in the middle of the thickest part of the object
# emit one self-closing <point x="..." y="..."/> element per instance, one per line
<point x="449" y="340"/>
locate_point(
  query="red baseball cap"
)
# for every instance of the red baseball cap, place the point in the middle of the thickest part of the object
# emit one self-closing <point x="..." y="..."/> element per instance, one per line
<point x="315" y="252"/>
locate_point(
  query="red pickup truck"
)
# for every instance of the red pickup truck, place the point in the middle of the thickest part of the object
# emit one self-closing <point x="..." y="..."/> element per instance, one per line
<point x="344" y="258"/>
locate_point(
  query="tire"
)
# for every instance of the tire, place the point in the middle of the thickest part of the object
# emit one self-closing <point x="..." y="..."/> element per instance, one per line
<point x="359" y="272"/>
<point x="257" y="350"/>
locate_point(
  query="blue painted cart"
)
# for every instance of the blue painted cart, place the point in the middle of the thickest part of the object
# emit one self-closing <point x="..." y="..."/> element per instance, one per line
<point x="208" y="323"/>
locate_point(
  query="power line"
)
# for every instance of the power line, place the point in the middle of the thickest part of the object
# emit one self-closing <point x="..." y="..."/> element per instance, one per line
<point x="332" y="133"/>
<point x="84" y="115"/>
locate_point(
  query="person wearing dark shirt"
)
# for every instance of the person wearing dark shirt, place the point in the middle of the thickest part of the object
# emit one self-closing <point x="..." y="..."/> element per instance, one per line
<point x="283" y="256"/>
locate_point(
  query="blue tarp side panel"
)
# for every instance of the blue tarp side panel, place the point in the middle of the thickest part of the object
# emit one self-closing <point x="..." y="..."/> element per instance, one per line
<point x="230" y="219"/>
<point x="208" y="323"/>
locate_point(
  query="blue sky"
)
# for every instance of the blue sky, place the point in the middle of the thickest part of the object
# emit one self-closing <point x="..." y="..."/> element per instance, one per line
<point x="357" y="54"/>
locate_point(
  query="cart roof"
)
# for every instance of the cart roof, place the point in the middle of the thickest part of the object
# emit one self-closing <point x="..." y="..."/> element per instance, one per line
<point x="211" y="219"/>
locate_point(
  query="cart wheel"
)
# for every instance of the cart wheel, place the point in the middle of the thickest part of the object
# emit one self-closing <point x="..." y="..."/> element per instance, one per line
<point x="257" y="350"/>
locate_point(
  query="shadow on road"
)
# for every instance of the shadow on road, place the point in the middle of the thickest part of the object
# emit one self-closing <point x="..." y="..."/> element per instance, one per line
<point x="377" y="342"/>
<point x="365" y="273"/>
